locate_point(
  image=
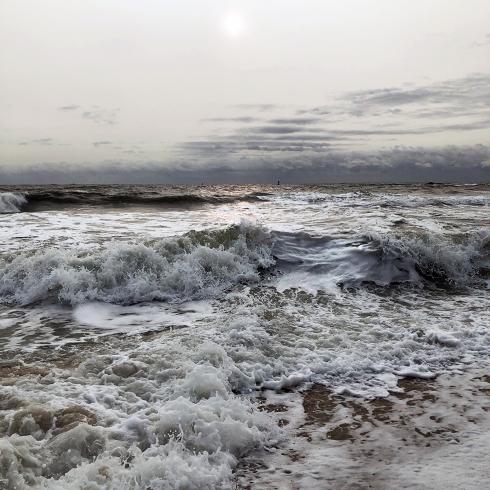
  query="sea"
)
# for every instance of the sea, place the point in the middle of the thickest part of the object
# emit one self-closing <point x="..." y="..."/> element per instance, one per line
<point x="162" y="337"/>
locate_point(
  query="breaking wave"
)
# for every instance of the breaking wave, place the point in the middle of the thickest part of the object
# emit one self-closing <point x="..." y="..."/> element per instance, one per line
<point x="45" y="198"/>
<point x="11" y="202"/>
<point x="204" y="264"/>
<point x="195" y="266"/>
<point x="323" y="262"/>
<point x="457" y="262"/>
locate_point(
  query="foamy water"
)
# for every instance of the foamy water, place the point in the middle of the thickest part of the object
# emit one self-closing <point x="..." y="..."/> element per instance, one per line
<point x="137" y="329"/>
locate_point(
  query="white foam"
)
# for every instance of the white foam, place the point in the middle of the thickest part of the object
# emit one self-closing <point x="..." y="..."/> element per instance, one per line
<point x="324" y="263"/>
<point x="192" y="267"/>
<point x="144" y="317"/>
<point x="11" y="202"/>
<point x="443" y="338"/>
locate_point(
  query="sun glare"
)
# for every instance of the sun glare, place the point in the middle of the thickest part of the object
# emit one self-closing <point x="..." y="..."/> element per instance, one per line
<point x="233" y="24"/>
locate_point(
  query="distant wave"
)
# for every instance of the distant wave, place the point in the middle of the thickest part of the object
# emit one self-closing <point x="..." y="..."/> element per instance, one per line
<point x="39" y="200"/>
<point x="59" y="198"/>
<point x="11" y="202"/>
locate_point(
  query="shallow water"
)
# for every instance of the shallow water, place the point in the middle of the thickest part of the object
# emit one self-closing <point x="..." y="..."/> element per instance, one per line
<point x="152" y="319"/>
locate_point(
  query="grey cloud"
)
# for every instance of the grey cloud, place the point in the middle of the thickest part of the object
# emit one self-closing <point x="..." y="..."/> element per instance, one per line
<point x="321" y="111"/>
<point x="279" y="129"/>
<point x="240" y="119"/>
<point x="97" y="115"/>
<point x="390" y="96"/>
<point x="469" y="126"/>
<point x="483" y="124"/>
<point x="441" y="113"/>
<point x="400" y="109"/>
<point x="276" y="121"/>
<point x="133" y="151"/>
<point x="319" y="136"/>
<point x="473" y="89"/>
<point x="213" y="148"/>
<point x="38" y="141"/>
<point x="101" y="143"/>
<point x="451" y="98"/>
<point x="257" y="107"/>
<point x="101" y="116"/>
<point x="403" y="111"/>
<point x="398" y="164"/>
<point x="292" y="138"/>
<point x="485" y="42"/>
<point x="295" y="120"/>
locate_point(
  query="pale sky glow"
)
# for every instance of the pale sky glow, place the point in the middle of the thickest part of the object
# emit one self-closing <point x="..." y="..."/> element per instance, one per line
<point x="234" y="24"/>
<point x="243" y="84"/>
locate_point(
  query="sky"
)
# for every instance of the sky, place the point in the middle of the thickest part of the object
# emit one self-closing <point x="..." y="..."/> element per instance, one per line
<point x="191" y="91"/>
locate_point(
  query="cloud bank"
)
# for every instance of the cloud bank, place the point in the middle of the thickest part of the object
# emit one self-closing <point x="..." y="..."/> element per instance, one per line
<point x="399" y="164"/>
<point x="362" y="136"/>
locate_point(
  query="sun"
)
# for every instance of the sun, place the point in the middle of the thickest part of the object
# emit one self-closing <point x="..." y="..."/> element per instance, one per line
<point x="233" y="24"/>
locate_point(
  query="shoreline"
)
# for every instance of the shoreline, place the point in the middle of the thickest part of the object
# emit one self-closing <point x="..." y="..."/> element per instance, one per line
<point x="426" y="434"/>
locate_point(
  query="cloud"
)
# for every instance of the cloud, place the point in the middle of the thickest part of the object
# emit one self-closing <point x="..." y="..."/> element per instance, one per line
<point x="240" y="119"/>
<point x="320" y="110"/>
<point x="296" y="120"/>
<point x="397" y="164"/>
<point x="38" y="141"/>
<point x="303" y="144"/>
<point x="380" y="115"/>
<point x="278" y="129"/>
<point x="456" y="91"/>
<point x="213" y="148"/>
<point x="95" y="114"/>
<point x="257" y="107"/>
<point x="485" y="42"/>
<point x="298" y="138"/>
<point x="464" y="97"/>
<point x="69" y="107"/>
<point x="101" y="116"/>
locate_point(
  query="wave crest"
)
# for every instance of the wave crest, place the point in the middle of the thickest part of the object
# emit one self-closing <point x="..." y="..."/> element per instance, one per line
<point x="195" y="266"/>
<point x="11" y="202"/>
<point x="456" y="262"/>
<point x="327" y="262"/>
<point x="60" y="199"/>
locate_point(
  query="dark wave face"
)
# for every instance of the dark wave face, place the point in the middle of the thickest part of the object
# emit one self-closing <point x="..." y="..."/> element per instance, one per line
<point x="45" y="198"/>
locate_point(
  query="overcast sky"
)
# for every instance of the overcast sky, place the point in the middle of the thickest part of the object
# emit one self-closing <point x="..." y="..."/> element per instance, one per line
<point x="245" y="91"/>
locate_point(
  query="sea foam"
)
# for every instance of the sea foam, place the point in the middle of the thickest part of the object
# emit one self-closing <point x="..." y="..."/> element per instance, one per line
<point x="11" y="202"/>
<point x="195" y="266"/>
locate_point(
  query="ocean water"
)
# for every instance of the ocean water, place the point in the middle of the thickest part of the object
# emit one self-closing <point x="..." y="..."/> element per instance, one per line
<point x="139" y="325"/>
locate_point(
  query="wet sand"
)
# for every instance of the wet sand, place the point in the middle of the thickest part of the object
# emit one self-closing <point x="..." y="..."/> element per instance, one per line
<point x="427" y="434"/>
